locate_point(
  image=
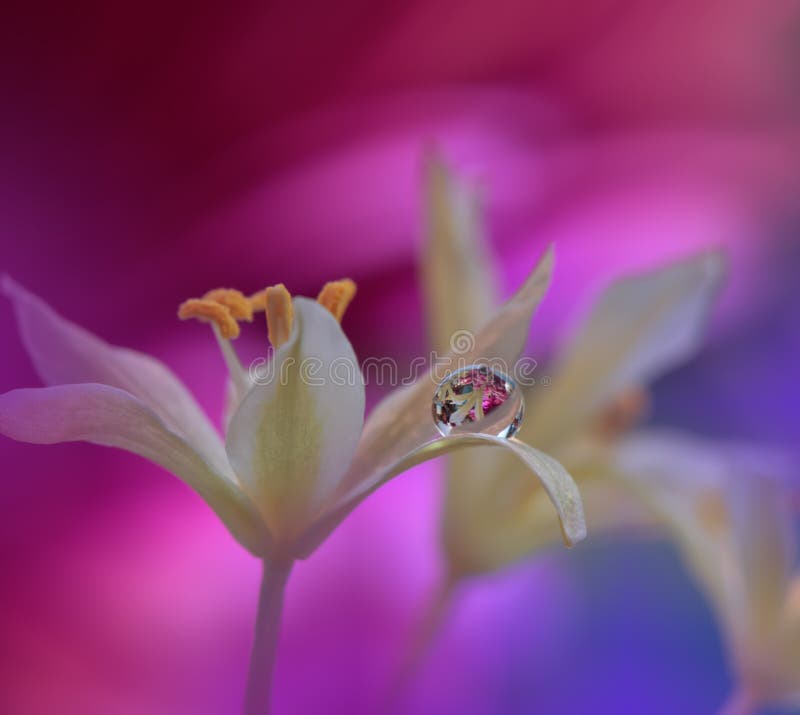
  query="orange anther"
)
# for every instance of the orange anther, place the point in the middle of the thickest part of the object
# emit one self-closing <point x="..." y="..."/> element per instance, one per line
<point x="210" y="311"/>
<point x="233" y="300"/>
<point x="280" y="314"/>
<point x="336" y="296"/>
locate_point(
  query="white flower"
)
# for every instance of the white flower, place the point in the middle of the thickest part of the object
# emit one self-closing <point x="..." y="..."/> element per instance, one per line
<point x="297" y="456"/>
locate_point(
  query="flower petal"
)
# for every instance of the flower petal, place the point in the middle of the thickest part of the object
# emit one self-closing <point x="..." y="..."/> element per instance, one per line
<point x="558" y="484"/>
<point x="109" y="416"/>
<point x="64" y="353"/>
<point x="763" y="540"/>
<point x="791" y="619"/>
<point x="682" y="482"/>
<point x="292" y="438"/>
<point x="641" y="327"/>
<point x="494" y="515"/>
<point x="402" y="421"/>
<point x="455" y="254"/>
<point x="730" y="516"/>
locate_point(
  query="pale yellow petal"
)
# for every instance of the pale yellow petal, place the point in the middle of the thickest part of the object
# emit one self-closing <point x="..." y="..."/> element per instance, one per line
<point x="791" y="637"/>
<point x="730" y="517"/>
<point x="763" y="540"/>
<point x="640" y="327"/>
<point x="457" y="270"/>
<point x="402" y="421"/>
<point x="555" y="480"/>
<point x="494" y="515"/>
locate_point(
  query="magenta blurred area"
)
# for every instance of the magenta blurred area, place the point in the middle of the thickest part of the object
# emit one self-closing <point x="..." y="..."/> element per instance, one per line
<point x="149" y="152"/>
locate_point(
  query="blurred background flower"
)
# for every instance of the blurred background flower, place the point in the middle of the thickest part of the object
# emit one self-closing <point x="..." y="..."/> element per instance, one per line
<point x="151" y="152"/>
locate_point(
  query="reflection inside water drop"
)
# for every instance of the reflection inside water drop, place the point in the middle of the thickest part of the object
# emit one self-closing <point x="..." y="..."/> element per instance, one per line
<point x="477" y="398"/>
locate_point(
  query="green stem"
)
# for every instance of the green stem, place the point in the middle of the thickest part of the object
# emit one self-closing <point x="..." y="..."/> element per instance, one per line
<point x="268" y="620"/>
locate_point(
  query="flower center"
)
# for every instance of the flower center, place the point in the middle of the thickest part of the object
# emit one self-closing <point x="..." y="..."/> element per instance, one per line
<point x="624" y="412"/>
<point x="225" y="308"/>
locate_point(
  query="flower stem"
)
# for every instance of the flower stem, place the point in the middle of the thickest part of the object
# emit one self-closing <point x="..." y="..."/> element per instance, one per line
<point x="268" y="620"/>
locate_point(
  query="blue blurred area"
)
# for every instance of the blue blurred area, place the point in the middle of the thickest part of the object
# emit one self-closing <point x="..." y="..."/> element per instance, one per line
<point x="646" y="641"/>
<point x="747" y="385"/>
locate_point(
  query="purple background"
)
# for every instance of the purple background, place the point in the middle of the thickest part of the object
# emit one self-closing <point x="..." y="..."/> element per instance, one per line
<point x="149" y="153"/>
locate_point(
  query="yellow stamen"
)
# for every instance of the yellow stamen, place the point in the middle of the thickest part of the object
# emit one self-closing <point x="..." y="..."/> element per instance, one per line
<point x="258" y="301"/>
<point x="225" y="306"/>
<point x="336" y="296"/>
<point x="233" y="300"/>
<point x="280" y="314"/>
<point x="210" y="311"/>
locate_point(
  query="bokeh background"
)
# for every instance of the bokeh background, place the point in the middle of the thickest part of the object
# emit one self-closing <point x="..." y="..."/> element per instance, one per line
<point x="151" y="151"/>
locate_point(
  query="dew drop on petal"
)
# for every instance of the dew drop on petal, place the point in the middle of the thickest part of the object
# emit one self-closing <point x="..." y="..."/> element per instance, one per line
<point x="477" y="398"/>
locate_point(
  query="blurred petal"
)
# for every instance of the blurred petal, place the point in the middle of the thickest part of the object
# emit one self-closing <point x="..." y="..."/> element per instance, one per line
<point x="456" y="267"/>
<point x="109" y="416"/>
<point x="402" y="421"/>
<point x="558" y="484"/>
<point x="732" y="521"/>
<point x="641" y="327"/>
<point x="292" y="438"/>
<point x="763" y="541"/>
<point x="682" y="480"/>
<point x="63" y="353"/>
<point x="494" y="515"/>
<point x="792" y="625"/>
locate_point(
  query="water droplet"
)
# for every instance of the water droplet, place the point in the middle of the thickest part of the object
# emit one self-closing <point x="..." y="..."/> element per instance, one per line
<point x="477" y="398"/>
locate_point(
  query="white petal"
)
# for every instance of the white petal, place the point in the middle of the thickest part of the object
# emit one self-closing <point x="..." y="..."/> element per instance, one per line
<point x="456" y="268"/>
<point x="402" y="421"/>
<point x="731" y="518"/>
<point x="558" y="484"/>
<point x="64" y="353"/>
<point x="293" y="437"/>
<point x="109" y="416"/>
<point x="641" y="327"/>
